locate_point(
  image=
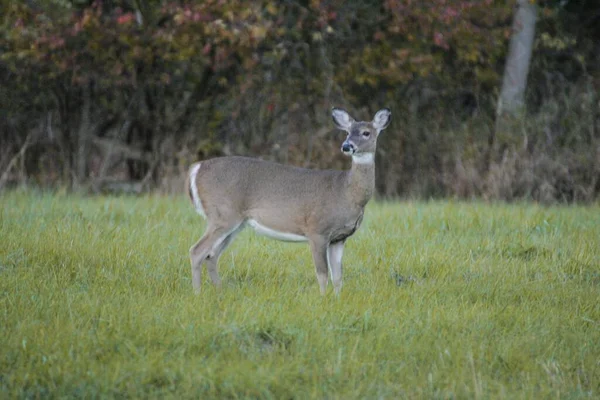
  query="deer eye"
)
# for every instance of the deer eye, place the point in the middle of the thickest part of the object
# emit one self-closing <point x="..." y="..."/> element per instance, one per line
<point x="366" y="133"/>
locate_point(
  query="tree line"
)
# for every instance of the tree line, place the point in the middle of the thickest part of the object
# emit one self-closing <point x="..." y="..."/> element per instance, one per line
<point x="124" y="94"/>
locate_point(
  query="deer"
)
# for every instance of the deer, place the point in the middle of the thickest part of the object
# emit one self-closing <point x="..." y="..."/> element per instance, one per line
<point x="284" y="202"/>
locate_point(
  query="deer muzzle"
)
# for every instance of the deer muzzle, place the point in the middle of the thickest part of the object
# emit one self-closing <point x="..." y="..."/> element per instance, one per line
<point x="348" y="148"/>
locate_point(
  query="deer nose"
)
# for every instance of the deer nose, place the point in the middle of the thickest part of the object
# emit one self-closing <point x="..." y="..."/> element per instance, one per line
<point x="348" y="148"/>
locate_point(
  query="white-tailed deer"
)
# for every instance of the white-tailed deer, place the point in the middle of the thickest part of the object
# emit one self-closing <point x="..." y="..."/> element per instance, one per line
<point x="321" y="207"/>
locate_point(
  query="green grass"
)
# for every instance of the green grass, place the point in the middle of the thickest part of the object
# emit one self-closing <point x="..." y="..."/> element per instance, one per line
<point x="440" y="300"/>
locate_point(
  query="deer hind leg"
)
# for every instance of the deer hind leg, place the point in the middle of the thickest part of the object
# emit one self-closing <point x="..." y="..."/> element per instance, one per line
<point x="213" y="257"/>
<point x="318" y="247"/>
<point x="334" y="253"/>
<point x="209" y="246"/>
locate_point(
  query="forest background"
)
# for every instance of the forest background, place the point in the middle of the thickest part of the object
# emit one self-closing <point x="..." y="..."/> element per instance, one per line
<point x="122" y="95"/>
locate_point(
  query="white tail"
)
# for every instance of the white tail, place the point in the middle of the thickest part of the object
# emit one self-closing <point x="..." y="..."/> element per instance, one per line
<point x="322" y="207"/>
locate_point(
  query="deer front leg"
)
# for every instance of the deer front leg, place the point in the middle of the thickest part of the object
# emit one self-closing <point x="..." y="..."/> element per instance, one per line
<point x="335" y="252"/>
<point x="318" y="247"/>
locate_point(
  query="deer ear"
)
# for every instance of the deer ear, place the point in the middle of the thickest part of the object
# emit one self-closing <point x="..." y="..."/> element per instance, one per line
<point x="341" y="118"/>
<point x="382" y="119"/>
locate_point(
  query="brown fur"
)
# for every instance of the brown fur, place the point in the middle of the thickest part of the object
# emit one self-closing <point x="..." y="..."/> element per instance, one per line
<point x="323" y="206"/>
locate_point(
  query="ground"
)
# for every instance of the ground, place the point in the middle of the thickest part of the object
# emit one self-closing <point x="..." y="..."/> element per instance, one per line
<point x="440" y="300"/>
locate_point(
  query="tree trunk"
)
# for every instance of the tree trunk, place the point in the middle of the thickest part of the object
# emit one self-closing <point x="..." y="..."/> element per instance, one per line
<point x="511" y="103"/>
<point x="517" y="62"/>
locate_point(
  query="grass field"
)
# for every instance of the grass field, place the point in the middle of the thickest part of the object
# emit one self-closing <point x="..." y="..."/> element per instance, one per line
<point x="440" y="300"/>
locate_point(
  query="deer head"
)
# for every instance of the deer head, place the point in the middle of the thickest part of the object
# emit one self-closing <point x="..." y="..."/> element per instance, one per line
<point x="361" y="141"/>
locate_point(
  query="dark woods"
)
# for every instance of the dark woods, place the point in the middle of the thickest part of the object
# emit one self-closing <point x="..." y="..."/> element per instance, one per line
<point x="123" y="95"/>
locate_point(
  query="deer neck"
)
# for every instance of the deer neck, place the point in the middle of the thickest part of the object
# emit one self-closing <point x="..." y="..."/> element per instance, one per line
<point x="361" y="178"/>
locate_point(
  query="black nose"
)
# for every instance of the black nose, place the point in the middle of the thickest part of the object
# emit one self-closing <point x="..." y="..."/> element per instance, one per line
<point x="346" y="147"/>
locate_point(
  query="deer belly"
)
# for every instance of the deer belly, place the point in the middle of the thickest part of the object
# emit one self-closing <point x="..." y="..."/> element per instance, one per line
<point x="275" y="234"/>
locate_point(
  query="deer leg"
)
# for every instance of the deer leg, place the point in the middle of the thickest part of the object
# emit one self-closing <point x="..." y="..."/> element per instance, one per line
<point x="318" y="247"/>
<point x="213" y="258"/>
<point x="205" y="248"/>
<point x="335" y="252"/>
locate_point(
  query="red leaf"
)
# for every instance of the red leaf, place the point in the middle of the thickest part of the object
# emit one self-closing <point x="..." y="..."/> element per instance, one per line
<point x="125" y="18"/>
<point x="439" y="40"/>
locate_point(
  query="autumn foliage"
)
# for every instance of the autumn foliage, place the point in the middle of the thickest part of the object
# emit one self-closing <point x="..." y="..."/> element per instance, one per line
<point x="137" y="90"/>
